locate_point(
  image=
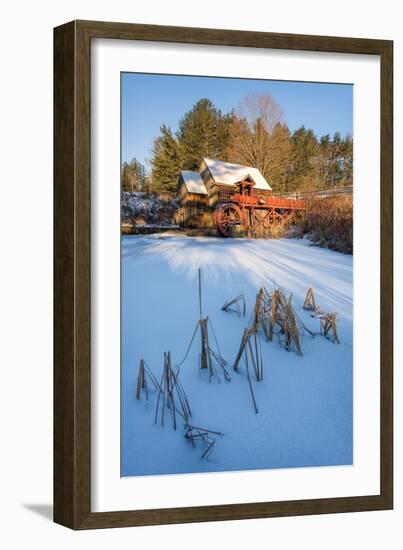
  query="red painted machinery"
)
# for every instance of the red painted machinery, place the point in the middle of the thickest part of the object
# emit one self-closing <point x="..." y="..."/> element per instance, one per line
<point x="252" y="212"/>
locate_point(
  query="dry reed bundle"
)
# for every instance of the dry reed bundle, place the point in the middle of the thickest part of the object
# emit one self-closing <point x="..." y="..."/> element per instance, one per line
<point x="274" y="314"/>
<point x="283" y="317"/>
<point x="290" y="327"/>
<point x="251" y="352"/>
<point x="250" y="344"/>
<point x="328" y="325"/>
<point x="327" y="321"/>
<point x="261" y="312"/>
<point x="194" y="434"/>
<point x="145" y="374"/>
<point x="210" y="358"/>
<point x="309" y="303"/>
<point x="237" y="305"/>
<point x="172" y="396"/>
<point x="275" y="300"/>
<point x="172" y="399"/>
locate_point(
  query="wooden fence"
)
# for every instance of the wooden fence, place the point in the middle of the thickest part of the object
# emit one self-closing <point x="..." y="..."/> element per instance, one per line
<point x="348" y="190"/>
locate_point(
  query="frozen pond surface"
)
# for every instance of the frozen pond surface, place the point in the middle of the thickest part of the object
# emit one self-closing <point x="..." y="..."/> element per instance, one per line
<point x="305" y="402"/>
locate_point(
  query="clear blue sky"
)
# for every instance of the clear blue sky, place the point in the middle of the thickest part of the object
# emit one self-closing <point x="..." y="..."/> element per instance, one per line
<point x="151" y="100"/>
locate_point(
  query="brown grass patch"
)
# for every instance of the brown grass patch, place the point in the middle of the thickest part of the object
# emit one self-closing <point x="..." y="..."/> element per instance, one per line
<point x="328" y="222"/>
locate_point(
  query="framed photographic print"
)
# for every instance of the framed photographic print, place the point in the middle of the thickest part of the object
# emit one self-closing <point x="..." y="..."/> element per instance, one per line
<point x="222" y="275"/>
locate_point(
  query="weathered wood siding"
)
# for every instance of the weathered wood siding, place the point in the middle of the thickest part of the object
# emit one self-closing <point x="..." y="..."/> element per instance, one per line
<point x="182" y="192"/>
<point x="194" y="209"/>
<point x="195" y="213"/>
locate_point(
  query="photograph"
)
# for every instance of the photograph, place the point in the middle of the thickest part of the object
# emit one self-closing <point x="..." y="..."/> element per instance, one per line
<point x="199" y="299"/>
<point x="236" y="274"/>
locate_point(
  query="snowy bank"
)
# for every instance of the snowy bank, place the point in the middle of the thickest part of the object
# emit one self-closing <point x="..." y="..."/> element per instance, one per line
<point x="147" y="211"/>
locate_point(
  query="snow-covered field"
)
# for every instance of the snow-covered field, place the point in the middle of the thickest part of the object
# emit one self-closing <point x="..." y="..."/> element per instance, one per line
<point x="305" y="402"/>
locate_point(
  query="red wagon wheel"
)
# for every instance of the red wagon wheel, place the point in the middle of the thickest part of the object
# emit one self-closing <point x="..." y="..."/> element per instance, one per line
<point x="227" y="216"/>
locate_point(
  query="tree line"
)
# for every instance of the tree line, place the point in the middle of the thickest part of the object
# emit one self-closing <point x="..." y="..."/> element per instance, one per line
<point x="254" y="135"/>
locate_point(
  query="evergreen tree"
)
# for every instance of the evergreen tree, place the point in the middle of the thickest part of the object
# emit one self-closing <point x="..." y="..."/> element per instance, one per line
<point x="347" y="160"/>
<point x="303" y="167"/>
<point x="325" y="154"/>
<point x="335" y="160"/>
<point x="166" y="162"/>
<point x="203" y="132"/>
<point x="133" y="176"/>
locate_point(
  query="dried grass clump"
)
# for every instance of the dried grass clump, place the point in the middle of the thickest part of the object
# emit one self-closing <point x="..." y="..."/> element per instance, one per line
<point x="273" y="231"/>
<point x="328" y="222"/>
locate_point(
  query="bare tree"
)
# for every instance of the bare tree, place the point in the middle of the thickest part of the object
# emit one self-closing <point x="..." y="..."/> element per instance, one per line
<point x="258" y="138"/>
<point x="262" y="108"/>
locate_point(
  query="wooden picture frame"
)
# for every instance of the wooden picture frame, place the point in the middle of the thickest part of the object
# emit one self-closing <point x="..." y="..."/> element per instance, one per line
<point x="72" y="272"/>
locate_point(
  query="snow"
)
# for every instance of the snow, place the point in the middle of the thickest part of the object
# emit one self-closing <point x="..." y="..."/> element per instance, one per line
<point x="304" y="402"/>
<point x="194" y="182"/>
<point x="229" y="174"/>
<point x="148" y="210"/>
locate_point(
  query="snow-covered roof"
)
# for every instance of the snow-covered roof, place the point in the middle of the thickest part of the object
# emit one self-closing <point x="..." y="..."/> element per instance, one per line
<point x="227" y="173"/>
<point x="193" y="182"/>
